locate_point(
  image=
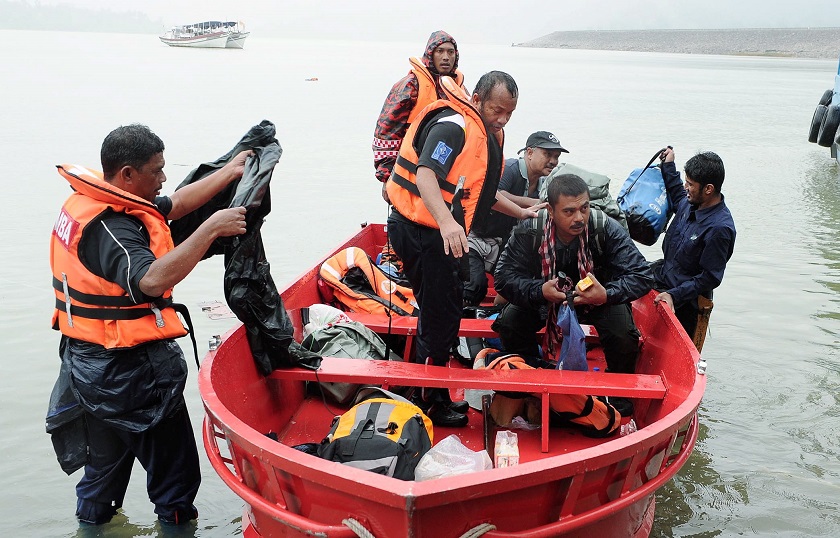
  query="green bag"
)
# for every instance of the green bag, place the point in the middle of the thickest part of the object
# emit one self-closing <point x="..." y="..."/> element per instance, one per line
<point x="350" y="340"/>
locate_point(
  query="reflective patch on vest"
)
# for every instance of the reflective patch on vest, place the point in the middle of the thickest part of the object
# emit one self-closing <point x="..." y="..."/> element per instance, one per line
<point x="65" y="229"/>
<point x="387" y="287"/>
<point x="441" y="153"/>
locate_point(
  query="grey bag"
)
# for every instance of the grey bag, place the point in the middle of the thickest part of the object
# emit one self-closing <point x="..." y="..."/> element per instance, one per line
<point x="599" y="190"/>
<point x="350" y="340"/>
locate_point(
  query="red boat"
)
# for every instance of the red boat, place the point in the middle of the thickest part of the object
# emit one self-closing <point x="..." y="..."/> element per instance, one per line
<point x="566" y="484"/>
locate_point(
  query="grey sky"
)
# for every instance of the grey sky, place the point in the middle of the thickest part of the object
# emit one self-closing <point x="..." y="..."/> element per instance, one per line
<point x="485" y="21"/>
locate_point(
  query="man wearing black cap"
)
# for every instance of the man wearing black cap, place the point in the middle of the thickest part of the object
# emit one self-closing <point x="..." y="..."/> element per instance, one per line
<point x="520" y="184"/>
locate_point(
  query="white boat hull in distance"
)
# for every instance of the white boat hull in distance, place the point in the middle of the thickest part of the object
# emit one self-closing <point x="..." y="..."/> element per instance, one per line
<point x="237" y="41"/>
<point x="217" y="41"/>
<point x="207" y="34"/>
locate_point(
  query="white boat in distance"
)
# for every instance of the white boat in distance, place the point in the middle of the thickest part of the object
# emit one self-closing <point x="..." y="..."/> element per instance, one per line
<point x="208" y="34"/>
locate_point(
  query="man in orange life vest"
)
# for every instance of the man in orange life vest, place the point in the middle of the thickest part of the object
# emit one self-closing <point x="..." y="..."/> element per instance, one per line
<point x="409" y="95"/>
<point x="114" y="266"/>
<point x="444" y="180"/>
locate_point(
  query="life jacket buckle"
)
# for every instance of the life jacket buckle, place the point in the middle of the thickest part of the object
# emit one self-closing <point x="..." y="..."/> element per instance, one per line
<point x="67" y="299"/>
<point x="158" y="316"/>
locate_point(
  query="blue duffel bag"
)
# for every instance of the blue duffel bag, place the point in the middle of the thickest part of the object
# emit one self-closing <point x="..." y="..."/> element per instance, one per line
<point x="644" y="201"/>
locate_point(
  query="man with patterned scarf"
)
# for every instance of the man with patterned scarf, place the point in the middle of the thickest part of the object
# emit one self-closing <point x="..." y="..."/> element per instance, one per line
<point x="420" y="87"/>
<point x="538" y="270"/>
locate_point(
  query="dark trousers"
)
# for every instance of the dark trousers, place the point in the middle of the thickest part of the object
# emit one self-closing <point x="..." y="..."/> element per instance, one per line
<point x="437" y="287"/>
<point x="687" y="312"/>
<point x="518" y="326"/>
<point x="166" y="451"/>
<point x="687" y="315"/>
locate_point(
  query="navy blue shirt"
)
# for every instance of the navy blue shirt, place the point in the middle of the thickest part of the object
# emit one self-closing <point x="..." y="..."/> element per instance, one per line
<point x="697" y="245"/>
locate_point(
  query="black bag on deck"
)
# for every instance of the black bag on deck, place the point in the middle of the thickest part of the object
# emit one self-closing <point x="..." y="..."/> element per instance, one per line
<point x="383" y="433"/>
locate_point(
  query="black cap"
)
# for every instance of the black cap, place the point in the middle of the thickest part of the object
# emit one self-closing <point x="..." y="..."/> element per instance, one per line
<point x="543" y="139"/>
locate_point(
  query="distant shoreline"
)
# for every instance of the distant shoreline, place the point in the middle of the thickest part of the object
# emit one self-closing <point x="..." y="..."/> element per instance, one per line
<point x="777" y="42"/>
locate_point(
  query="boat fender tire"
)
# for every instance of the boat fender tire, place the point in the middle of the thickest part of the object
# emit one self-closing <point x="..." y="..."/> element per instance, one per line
<point x="816" y="122"/>
<point x="828" y="127"/>
<point x="826" y="97"/>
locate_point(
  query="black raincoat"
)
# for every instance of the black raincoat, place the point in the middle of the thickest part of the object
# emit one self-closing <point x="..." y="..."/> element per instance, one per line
<point x="249" y="289"/>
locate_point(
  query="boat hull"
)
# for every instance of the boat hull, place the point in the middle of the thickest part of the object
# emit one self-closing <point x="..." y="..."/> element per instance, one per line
<point x="237" y="41"/>
<point x="214" y="41"/>
<point x="581" y="487"/>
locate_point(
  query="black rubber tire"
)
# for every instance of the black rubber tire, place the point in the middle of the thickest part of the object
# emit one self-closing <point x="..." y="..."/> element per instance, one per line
<point x="826" y="97"/>
<point x="816" y="122"/>
<point x="828" y="128"/>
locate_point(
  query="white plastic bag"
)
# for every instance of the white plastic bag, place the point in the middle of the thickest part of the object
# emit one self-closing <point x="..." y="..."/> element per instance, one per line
<point x="450" y="457"/>
<point x="322" y="315"/>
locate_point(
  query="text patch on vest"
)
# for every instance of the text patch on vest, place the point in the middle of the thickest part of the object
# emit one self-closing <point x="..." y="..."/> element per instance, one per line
<point x="65" y="229"/>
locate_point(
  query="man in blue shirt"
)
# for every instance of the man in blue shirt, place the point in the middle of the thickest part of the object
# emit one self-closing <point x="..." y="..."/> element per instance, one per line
<point x="700" y="238"/>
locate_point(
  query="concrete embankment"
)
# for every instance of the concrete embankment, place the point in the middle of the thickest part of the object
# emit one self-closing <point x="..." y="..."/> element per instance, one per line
<point x="785" y="42"/>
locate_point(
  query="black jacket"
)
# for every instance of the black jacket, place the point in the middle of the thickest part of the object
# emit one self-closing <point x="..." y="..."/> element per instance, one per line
<point x="617" y="264"/>
<point x="249" y="288"/>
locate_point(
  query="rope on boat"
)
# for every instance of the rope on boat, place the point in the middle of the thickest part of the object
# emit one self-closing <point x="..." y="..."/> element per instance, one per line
<point x="479" y="530"/>
<point x="357" y="527"/>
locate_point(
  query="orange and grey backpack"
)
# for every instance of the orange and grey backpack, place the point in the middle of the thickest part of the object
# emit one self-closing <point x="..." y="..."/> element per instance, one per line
<point x="360" y="286"/>
<point x="593" y="416"/>
<point x="383" y="433"/>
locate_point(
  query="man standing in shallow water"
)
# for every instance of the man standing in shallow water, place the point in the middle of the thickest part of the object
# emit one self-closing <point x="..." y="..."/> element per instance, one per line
<point x="114" y="266"/>
<point x="700" y="238"/>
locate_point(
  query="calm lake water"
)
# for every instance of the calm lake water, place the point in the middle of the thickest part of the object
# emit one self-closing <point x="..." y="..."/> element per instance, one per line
<point x="767" y="460"/>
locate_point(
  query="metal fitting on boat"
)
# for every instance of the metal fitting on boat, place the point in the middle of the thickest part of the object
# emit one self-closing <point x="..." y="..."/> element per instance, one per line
<point x="701" y="367"/>
<point x="215" y="342"/>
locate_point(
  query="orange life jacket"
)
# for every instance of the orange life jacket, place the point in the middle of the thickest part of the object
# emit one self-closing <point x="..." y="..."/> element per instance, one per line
<point x="91" y="308"/>
<point x="469" y="171"/>
<point x="595" y="416"/>
<point x="384" y="294"/>
<point x="427" y="90"/>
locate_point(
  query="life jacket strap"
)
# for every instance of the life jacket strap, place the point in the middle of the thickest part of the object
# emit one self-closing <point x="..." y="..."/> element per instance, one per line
<point x="411" y="187"/>
<point x="185" y="313"/>
<point x="109" y="313"/>
<point x="87" y="298"/>
<point x="133" y="313"/>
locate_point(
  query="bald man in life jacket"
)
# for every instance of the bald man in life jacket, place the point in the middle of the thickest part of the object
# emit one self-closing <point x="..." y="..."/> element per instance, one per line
<point x="409" y="95"/>
<point x="446" y="179"/>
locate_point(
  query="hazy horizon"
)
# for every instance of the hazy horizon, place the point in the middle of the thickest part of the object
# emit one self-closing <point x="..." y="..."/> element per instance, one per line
<point x="489" y="21"/>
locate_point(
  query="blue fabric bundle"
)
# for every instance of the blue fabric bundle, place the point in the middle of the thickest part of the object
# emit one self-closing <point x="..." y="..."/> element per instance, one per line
<point x="573" y="348"/>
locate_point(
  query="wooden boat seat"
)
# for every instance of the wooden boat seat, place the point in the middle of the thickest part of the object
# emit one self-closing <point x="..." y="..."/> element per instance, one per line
<point x="538" y="382"/>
